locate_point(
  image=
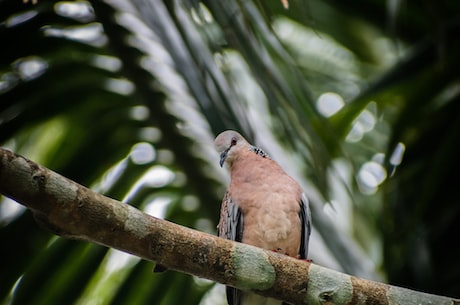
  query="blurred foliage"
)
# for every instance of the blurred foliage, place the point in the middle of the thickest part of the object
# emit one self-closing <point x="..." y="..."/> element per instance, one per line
<point x="356" y="99"/>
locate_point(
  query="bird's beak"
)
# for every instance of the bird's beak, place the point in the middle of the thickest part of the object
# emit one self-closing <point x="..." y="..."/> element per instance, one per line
<point x="223" y="156"/>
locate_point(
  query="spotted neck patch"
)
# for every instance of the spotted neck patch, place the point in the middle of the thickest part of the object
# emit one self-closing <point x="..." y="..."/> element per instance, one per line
<point x="259" y="152"/>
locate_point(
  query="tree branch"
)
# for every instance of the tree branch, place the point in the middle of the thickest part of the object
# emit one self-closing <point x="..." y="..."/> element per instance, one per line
<point x="73" y="211"/>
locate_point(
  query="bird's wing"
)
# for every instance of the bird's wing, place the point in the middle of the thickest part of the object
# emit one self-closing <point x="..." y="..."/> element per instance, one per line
<point x="305" y="219"/>
<point x="231" y="227"/>
<point x="231" y="220"/>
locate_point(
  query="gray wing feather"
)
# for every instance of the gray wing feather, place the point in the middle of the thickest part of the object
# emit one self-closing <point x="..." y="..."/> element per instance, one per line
<point x="236" y="223"/>
<point x="305" y="218"/>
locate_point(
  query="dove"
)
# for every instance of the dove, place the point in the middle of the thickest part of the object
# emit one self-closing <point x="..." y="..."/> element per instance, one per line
<point x="263" y="206"/>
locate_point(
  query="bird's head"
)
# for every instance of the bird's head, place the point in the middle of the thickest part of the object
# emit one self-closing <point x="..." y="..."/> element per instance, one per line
<point x="227" y="144"/>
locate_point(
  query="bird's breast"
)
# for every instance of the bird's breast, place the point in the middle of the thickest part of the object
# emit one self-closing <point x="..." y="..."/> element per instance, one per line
<point x="270" y="207"/>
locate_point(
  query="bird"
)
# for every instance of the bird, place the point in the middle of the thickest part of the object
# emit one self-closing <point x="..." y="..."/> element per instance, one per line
<point x="263" y="206"/>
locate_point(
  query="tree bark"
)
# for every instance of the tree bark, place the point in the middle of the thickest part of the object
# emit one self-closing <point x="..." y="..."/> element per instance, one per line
<point x="73" y="211"/>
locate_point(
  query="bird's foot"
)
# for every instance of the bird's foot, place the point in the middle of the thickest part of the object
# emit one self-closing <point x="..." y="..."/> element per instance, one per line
<point x="279" y="250"/>
<point x="305" y="259"/>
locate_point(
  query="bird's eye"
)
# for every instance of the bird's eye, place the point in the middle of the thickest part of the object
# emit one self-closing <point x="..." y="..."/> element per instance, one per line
<point x="233" y="141"/>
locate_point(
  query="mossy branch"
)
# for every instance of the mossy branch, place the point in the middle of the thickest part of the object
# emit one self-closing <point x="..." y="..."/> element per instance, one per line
<point x="73" y="211"/>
